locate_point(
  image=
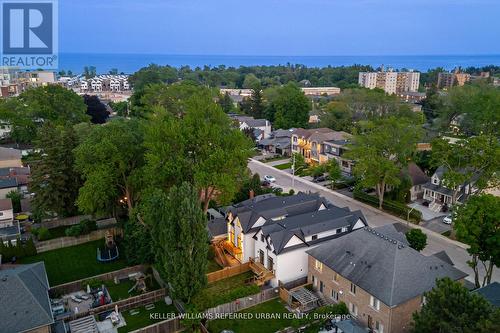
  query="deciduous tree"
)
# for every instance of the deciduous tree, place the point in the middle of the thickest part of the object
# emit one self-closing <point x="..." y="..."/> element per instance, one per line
<point x="417" y="239"/>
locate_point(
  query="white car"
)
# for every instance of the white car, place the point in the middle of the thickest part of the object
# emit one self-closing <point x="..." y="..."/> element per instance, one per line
<point x="448" y="219"/>
<point x="270" y="179"/>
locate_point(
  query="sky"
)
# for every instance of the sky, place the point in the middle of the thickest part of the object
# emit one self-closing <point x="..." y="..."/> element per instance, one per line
<point x="280" y="27"/>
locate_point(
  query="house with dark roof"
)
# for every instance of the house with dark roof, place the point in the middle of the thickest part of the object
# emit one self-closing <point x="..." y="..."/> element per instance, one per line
<point x="491" y="293"/>
<point x="418" y="178"/>
<point x="24" y="299"/>
<point x="378" y="276"/>
<point x="439" y="194"/>
<point x="7" y="185"/>
<point x="275" y="232"/>
<point x="245" y="122"/>
<point x="278" y="142"/>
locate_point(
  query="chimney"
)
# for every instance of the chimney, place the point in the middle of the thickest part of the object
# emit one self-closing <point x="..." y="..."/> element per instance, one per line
<point x="251" y="194"/>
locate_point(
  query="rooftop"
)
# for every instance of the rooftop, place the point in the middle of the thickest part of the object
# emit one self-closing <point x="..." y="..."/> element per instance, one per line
<point x="9" y="154"/>
<point x="380" y="262"/>
<point x="491" y="292"/>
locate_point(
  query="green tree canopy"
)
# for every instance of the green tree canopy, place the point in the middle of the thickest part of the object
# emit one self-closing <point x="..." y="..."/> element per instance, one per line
<point x="178" y="226"/>
<point x="287" y="106"/>
<point x="110" y="160"/>
<point x="451" y="308"/>
<point x="477" y="223"/>
<point x="417" y="239"/>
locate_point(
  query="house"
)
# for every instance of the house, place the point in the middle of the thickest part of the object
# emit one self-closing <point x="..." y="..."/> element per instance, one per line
<point x="321" y="145"/>
<point x="439" y="194"/>
<point x="28" y="308"/>
<point x="275" y="232"/>
<point x="377" y="275"/>
<point x="279" y="142"/>
<point x="6" y="213"/>
<point x="491" y="293"/>
<point x="6" y="186"/>
<point x="20" y="174"/>
<point x="245" y="122"/>
<point x="10" y="157"/>
<point x="418" y="178"/>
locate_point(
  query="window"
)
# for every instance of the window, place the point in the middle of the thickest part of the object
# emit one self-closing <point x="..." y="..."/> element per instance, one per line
<point x="318" y="265"/>
<point x="424" y="300"/>
<point x="353" y="309"/>
<point x="345" y="229"/>
<point x="321" y="286"/>
<point x="353" y="288"/>
<point x="379" y="328"/>
<point x="270" y="264"/>
<point x="335" y="278"/>
<point x="345" y="164"/>
<point x="335" y="295"/>
<point x="374" y="303"/>
<point x="262" y="237"/>
<point x="314" y="237"/>
<point x="338" y="231"/>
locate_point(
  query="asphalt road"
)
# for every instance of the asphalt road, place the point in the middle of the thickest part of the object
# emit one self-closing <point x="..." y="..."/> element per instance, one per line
<point x="435" y="241"/>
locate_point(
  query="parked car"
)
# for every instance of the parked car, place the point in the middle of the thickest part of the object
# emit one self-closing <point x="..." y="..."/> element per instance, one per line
<point x="425" y="203"/>
<point x="270" y="179"/>
<point x="351" y="188"/>
<point x="448" y="219"/>
<point x="265" y="183"/>
<point x="319" y="179"/>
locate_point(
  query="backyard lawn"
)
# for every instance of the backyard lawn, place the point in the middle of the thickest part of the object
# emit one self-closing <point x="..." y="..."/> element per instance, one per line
<point x="142" y="319"/>
<point x="212" y="266"/>
<point x="74" y="263"/>
<point x="120" y="291"/>
<point x="254" y="325"/>
<point x="225" y="291"/>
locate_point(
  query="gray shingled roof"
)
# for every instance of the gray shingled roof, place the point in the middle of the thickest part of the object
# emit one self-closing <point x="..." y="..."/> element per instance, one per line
<point x="271" y="206"/>
<point x="308" y="224"/>
<point x="24" y="298"/>
<point x="491" y="292"/>
<point x="217" y="227"/>
<point x="8" y="182"/>
<point x="386" y="268"/>
<point x="9" y="154"/>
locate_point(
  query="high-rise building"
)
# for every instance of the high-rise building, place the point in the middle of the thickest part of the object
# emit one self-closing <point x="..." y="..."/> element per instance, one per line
<point x="447" y="80"/>
<point x="391" y="82"/>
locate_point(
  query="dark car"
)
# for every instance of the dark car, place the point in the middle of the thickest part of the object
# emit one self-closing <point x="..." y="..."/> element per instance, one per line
<point x="320" y="179"/>
<point x="265" y="183"/>
<point x="351" y="188"/>
<point x="425" y="203"/>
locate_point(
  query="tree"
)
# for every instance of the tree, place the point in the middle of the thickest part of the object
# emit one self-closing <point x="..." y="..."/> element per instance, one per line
<point x="53" y="178"/>
<point x="96" y="109"/>
<point x="178" y="226"/>
<point x="298" y="163"/>
<point x="477" y="223"/>
<point x="89" y="71"/>
<point x="417" y="239"/>
<point x="200" y="147"/>
<point x="251" y="82"/>
<point x="138" y="241"/>
<point x="450" y="307"/>
<point x="334" y="171"/>
<point x="30" y="110"/>
<point x="121" y="108"/>
<point x="381" y="151"/>
<point x="226" y="103"/>
<point x="288" y="107"/>
<point x="256" y="104"/>
<point x="110" y="159"/>
<point x="16" y="197"/>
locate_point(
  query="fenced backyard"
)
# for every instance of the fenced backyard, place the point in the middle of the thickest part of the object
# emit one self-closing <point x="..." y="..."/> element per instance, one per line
<point x="228" y="272"/>
<point x="62" y="242"/>
<point x="244" y="302"/>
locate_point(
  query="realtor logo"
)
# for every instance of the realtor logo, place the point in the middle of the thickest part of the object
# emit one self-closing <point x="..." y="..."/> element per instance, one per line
<point x="29" y="33"/>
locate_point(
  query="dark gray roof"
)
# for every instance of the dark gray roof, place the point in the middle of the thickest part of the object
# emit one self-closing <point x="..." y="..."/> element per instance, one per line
<point x="381" y="265"/>
<point x="491" y="292"/>
<point x="217" y="227"/>
<point x="350" y="326"/>
<point x="5" y="204"/>
<point x="8" y="182"/>
<point x="24" y="298"/>
<point x="444" y="257"/>
<point x="438" y="188"/>
<point x="9" y="154"/>
<point x="417" y="176"/>
<point x="309" y="224"/>
<point x="271" y="206"/>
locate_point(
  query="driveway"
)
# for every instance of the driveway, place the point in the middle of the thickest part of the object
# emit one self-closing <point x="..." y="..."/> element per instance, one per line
<point x="436" y="225"/>
<point x="435" y="241"/>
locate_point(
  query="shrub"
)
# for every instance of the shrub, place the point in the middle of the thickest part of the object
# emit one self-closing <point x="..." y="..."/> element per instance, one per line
<point x="43" y="233"/>
<point x="417" y="239"/>
<point x="397" y="208"/>
<point x="20" y="250"/>
<point x="82" y="228"/>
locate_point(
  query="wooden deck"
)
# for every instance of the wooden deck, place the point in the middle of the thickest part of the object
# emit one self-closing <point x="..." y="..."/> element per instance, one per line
<point x="262" y="274"/>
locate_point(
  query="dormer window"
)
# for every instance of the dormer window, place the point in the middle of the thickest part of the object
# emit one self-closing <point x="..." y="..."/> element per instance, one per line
<point x="314" y="237"/>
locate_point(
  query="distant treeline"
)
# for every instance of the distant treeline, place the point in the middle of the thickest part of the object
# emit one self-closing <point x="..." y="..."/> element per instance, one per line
<point x="268" y="76"/>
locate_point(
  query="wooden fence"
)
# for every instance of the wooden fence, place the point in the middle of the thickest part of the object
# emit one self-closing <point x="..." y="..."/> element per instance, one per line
<point x="167" y="326"/>
<point x="75" y="286"/>
<point x="65" y="221"/>
<point x="228" y="272"/>
<point x="61" y="242"/>
<point x="244" y="302"/>
<point x="124" y="305"/>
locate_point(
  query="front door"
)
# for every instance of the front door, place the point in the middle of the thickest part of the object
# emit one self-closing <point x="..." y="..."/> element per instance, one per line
<point x="370" y="322"/>
<point x="321" y="286"/>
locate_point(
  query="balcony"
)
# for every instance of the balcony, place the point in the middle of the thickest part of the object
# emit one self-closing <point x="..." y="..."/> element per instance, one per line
<point x="232" y="249"/>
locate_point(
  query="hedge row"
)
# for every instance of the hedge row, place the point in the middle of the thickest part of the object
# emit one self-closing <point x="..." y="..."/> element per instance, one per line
<point x="395" y="207"/>
<point x="20" y="250"/>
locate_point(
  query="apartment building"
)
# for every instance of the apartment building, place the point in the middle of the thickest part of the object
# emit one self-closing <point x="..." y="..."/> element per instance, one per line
<point x="275" y="232"/>
<point x="378" y="276"/>
<point x="13" y="81"/>
<point x="321" y="145"/>
<point x="447" y="80"/>
<point x="389" y="81"/>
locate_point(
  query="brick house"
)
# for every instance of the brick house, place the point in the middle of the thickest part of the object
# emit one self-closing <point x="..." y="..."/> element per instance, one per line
<point x="377" y="275"/>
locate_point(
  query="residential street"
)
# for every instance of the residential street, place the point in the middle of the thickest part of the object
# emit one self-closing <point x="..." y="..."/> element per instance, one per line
<point x="435" y="241"/>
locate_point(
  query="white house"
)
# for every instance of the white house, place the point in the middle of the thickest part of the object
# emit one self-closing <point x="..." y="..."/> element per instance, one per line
<point x="275" y="231"/>
<point x="6" y="213"/>
<point x="263" y="125"/>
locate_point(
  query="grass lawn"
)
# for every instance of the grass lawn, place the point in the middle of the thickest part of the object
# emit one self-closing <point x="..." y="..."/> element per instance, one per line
<point x="225" y="291"/>
<point x="254" y="325"/>
<point x="74" y="263"/>
<point x="213" y="266"/>
<point x="120" y="291"/>
<point x="276" y="158"/>
<point x="284" y="166"/>
<point x="142" y="319"/>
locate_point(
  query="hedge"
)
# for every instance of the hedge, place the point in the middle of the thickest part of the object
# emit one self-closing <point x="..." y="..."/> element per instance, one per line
<point x="395" y="207"/>
<point x="20" y="250"/>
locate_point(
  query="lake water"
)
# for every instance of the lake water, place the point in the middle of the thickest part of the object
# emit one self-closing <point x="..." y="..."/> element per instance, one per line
<point x="129" y="63"/>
